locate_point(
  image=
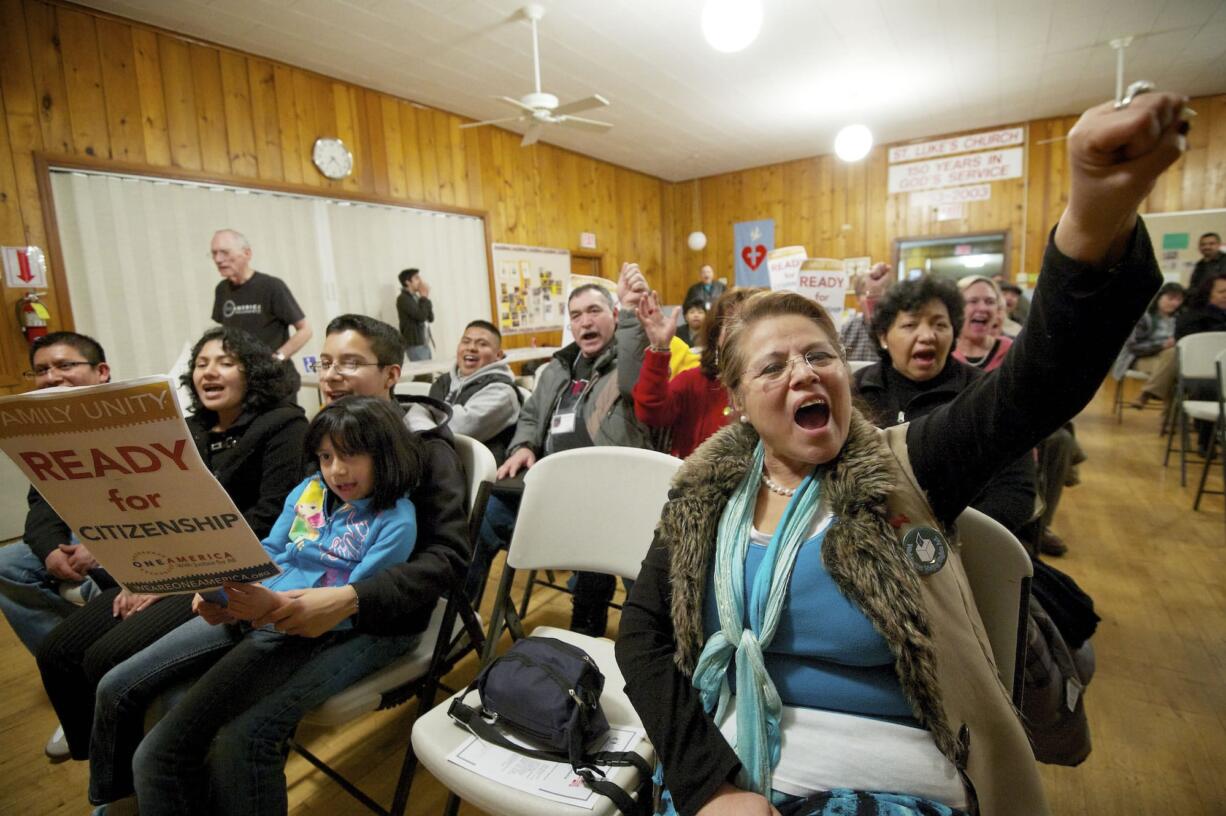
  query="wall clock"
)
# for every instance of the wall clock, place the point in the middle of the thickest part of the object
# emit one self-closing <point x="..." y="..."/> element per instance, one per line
<point x="332" y="157"/>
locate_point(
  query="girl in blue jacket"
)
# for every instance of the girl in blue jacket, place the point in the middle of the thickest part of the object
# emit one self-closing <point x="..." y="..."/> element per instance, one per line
<point x="348" y="519"/>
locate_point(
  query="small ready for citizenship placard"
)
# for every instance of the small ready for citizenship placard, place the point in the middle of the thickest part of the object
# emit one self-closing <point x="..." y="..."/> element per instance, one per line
<point x="118" y="465"/>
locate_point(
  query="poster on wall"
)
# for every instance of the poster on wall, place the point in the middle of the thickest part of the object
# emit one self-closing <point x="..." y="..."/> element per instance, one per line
<point x="783" y="267"/>
<point x="118" y="464"/>
<point x="825" y="280"/>
<point x="968" y="169"/>
<point x="530" y="284"/>
<point x="752" y="241"/>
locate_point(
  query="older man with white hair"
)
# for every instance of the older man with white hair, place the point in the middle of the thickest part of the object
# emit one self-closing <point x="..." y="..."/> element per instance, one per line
<point x="259" y="304"/>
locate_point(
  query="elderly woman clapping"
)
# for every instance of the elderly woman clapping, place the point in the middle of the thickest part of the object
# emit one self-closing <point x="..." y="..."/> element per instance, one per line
<point x="800" y="638"/>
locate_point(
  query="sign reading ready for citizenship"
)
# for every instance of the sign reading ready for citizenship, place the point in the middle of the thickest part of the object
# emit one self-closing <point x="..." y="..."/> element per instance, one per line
<point x="118" y="465"/>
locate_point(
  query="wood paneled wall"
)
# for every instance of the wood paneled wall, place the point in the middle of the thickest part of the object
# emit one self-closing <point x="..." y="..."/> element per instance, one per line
<point x="77" y="82"/>
<point x="838" y="210"/>
<point x="81" y="83"/>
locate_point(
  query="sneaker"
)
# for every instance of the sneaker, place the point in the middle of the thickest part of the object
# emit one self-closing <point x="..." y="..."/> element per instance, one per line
<point x="56" y="748"/>
<point x="1050" y="544"/>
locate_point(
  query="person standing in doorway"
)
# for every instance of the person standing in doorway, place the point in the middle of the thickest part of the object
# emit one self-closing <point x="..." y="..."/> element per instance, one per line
<point x="415" y="310"/>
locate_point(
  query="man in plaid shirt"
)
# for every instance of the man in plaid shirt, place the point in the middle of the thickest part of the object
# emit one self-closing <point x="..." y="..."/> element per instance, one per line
<point x="856" y="334"/>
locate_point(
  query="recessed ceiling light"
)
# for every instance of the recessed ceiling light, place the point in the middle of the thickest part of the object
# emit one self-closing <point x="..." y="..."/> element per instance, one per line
<point x="853" y="143"/>
<point x="731" y="25"/>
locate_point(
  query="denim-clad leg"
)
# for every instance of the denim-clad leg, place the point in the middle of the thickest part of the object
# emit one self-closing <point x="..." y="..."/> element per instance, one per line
<point x="30" y="596"/>
<point x="170" y="766"/>
<point x="247" y="761"/>
<point x="125" y="692"/>
<point x="496" y="528"/>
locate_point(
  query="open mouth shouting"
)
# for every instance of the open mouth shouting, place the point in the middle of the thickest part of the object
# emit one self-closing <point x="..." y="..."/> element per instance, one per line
<point x="813" y="415"/>
<point x="924" y="358"/>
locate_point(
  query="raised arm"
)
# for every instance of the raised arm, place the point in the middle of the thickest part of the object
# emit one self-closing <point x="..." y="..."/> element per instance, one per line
<point x="654" y="404"/>
<point x="630" y="338"/>
<point x="1098" y="274"/>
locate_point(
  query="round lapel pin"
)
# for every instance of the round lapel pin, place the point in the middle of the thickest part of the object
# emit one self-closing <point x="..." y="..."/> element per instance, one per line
<point x="926" y="548"/>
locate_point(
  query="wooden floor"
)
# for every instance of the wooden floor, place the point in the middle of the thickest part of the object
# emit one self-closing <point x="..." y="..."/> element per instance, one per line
<point x="1157" y="705"/>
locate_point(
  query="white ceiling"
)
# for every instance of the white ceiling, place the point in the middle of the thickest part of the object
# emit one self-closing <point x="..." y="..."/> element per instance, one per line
<point x="906" y="68"/>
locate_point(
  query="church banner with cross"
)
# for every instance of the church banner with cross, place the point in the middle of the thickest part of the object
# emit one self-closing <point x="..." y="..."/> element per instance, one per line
<point x="117" y="463"/>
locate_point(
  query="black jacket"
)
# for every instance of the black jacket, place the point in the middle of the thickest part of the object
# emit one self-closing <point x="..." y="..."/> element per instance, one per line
<point x="399" y="599"/>
<point x="1009" y="496"/>
<point x="44" y="530"/>
<point x="258" y="460"/>
<point x="414" y="314"/>
<point x="1197" y="321"/>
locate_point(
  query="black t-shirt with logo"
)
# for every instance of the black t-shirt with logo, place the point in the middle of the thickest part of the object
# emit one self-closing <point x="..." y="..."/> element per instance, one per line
<point x="263" y="307"/>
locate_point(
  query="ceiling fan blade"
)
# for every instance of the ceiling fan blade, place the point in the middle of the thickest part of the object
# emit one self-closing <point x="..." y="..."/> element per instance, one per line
<point x="584" y="124"/>
<point x="515" y="102"/>
<point x="532" y="135"/>
<point x="495" y="121"/>
<point x="580" y="105"/>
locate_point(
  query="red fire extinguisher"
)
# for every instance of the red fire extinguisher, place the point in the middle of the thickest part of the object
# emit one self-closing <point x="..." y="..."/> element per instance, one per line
<point x="32" y="316"/>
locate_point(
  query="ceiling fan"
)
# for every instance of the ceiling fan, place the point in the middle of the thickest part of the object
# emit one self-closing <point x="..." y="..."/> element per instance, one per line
<point x="539" y="109"/>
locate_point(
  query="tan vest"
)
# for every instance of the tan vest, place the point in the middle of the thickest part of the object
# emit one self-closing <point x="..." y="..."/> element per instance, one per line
<point x="996" y="754"/>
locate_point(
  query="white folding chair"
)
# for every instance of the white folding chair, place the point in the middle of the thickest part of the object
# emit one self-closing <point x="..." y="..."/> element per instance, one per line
<point x="412" y="388"/>
<point x="1196" y="355"/>
<point x="856" y="365"/>
<point x="589" y="509"/>
<point x="999" y="572"/>
<point x="1215" y="412"/>
<point x="416" y="674"/>
<point x="1117" y="400"/>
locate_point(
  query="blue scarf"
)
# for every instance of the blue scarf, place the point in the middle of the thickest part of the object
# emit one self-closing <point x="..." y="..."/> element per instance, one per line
<point x="758" y="707"/>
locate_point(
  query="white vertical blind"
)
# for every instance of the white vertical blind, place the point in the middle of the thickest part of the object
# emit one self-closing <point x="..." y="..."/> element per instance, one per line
<point x="141" y="281"/>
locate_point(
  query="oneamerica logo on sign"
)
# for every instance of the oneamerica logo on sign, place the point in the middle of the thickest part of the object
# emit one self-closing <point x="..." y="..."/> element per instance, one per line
<point x="230" y="308"/>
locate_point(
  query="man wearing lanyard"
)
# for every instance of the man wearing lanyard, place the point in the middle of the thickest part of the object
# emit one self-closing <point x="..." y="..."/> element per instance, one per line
<point x="583" y="397"/>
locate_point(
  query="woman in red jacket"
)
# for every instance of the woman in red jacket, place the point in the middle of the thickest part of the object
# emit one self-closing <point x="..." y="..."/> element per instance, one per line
<point x="693" y="405"/>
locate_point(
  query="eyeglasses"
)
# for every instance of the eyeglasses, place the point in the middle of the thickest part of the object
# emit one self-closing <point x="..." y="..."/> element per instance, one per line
<point x="345" y="368"/>
<point x="815" y="359"/>
<point x="63" y="366"/>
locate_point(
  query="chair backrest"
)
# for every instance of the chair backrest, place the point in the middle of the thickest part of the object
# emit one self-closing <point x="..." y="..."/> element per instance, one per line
<point x="1196" y="354"/>
<point x="479" y="466"/>
<point x="856" y="365"/>
<point x="591" y="509"/>
<point x="1220" y="362"/>
<point x="412" y="388"/>
<point x="999" y="571"/>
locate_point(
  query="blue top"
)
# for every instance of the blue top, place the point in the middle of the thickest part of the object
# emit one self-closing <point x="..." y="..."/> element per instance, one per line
<point x="320" y="541"/>
<point x="825" y="653"/>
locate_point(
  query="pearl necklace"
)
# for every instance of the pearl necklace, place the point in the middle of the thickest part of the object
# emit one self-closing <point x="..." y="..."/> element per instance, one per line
<point x="775" y="487"/>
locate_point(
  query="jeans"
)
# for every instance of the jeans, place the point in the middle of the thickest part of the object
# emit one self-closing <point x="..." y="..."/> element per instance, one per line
<point x="81" y="650"/>
<point x="497" y="525"/>
<point x="247" y="761"/>
<point x="418" y="353"/>
<point x="126" y="691"/>
<point x="30" y="597"/>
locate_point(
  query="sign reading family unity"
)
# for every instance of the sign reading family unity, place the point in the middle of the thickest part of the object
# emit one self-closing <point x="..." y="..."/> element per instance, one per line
<point x="118" y="465"/>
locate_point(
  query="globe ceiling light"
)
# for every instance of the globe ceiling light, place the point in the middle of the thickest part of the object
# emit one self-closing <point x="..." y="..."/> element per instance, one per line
<point x="731" y="25"/>
<point x="697" y="241"/>
<point x="853" y="143"/>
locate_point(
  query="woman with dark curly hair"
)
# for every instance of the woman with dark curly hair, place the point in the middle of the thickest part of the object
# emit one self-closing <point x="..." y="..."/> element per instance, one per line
<point x="250" y="435"/>
<point x="692" y="405"/>
<point x="916" y="324"/>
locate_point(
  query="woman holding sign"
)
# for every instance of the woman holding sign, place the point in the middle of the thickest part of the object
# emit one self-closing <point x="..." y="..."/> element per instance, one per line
<point x="801" y="638"/>
<point x="249" y="434"/>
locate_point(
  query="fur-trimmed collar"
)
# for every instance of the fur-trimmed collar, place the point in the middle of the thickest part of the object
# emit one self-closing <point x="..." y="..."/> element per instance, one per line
<point x="861" y="552"/>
